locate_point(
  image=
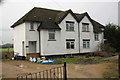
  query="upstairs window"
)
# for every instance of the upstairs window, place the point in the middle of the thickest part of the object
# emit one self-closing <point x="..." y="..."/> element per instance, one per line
<point x="86" y="43"/>
<point x="85" y="27"/>
<point x="51" y="34"/>
<point x="32" y="26"/>
<point x="96" y="35"/>
<point x="69" y="26"/>
<point x="70" y="43"/>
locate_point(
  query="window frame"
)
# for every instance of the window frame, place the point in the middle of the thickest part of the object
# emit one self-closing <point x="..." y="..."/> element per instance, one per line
<point x="85" y="27"/>
<point x="32" y="26"/>
<point x="96" y="36"/>
<point x="86" y="43"/>
<point x="70" y="43"/>
<point x="51" y="32"/>
<point x="69" y="26"/>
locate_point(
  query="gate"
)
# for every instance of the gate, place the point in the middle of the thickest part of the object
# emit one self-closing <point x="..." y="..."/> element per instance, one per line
<point x="57" y="73"/>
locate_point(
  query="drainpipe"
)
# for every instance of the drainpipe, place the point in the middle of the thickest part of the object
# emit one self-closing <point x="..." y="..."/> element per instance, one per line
<point x="39" y="43"/>
<point x="79" y="37"/>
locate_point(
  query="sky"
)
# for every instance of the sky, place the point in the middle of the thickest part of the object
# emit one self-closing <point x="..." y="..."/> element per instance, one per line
<point x="103" y="11"/>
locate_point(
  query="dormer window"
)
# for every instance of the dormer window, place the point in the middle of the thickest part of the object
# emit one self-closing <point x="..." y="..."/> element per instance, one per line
<point x="31" y="26"/>
<point x="69" y="26"/>
<point x="85" y="27"/>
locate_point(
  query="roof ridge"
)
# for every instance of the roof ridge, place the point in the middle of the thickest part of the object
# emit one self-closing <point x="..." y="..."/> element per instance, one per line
<point x="80" y="13"/>
<point x="47" y="9"/>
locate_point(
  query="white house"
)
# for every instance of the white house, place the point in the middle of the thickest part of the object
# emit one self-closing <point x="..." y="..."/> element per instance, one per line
<point x="46" y="32"/>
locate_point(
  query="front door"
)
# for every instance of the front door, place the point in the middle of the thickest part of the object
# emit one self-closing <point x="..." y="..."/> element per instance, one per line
<point x="32" y="46"/>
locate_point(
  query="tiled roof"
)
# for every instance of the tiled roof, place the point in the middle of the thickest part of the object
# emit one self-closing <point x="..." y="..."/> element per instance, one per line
<point x="50" y="19"/>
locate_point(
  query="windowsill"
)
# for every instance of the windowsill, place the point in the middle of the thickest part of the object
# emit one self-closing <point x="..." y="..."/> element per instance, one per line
<point x="69" y="49"/>
<point x="96" y="40"/>
<point x="31" y="30"/>
<point x="71" y="31"/>
<point x="86" y="48"/>
<point x="51" y="40"/>
<point x="85" y="31"/>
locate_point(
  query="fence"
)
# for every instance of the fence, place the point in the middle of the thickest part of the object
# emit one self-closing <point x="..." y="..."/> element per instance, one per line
<point x="57" y="73"/>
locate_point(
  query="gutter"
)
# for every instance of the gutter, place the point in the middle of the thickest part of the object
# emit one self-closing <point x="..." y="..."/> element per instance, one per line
<point x="79" y="37"/>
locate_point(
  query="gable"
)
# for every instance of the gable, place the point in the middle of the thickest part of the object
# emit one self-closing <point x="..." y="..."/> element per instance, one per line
<point x="96" y="26"/>
<point x="60" y="17"/>
<point x="50" y="19"/>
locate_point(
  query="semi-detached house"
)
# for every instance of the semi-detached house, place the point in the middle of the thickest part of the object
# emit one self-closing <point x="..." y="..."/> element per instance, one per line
<point x="46" y="32"/>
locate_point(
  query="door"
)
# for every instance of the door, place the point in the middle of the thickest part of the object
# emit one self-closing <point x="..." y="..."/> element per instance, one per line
<point x="23" y="49"/>
<point x="32" y="46"/>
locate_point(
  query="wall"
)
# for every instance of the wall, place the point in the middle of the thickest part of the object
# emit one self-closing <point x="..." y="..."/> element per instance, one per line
<point x="58" y="47"/>
<point x="94" y="45"/>
<point x="22" y="33"/>
<point x="31" y="36"/>
<point x="19" y="36"/>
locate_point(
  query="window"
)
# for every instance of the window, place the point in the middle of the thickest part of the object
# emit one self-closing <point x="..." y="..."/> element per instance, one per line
<point x="70" y="43"/>
<point x="31" y="26"/>
<point x="51" y="34"/>
<point x="85" y="27"/>
<point x="96" y="35"/>
<point x="69" y="26"/>
<point x="86" y="43"/>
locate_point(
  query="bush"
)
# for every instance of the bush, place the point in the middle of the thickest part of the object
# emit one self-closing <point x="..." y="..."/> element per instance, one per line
<point x="102" y="54"/>
<point x="107" y="48"/>
<point x="88" y="60"/>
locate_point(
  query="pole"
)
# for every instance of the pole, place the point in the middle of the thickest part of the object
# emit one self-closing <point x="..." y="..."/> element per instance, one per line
<point x="65" y="71"/>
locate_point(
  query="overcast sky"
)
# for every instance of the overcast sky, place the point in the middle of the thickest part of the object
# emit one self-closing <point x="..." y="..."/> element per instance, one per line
<point x="103" y="11"/>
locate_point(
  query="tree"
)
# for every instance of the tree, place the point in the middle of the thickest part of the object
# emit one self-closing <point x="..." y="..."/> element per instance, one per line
<point x="112" y="34"/>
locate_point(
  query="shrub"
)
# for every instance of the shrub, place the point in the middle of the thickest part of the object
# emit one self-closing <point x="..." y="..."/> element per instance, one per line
<point x="107" y="48"/>
<point x="100" y="53"/>
<point x="105" y="54"/>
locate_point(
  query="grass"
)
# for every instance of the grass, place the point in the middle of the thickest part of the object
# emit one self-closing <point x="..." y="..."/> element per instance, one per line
<point x="67" y="60"/>
<point x="6" y="49"/>
<point x="6" y="52"/>
<point x="78" y="60"/>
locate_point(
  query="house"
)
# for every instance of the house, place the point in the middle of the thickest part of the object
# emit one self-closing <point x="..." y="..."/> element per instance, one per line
<point x="46" y="32"/>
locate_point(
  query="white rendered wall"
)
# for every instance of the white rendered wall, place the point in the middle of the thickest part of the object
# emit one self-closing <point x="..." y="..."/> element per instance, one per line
<point x="31" y="36"/>
<point x="94" y="45"/>
<point x="58" y="47"/>
<point x="22" y="33"/>
<point x="19" y="36"/>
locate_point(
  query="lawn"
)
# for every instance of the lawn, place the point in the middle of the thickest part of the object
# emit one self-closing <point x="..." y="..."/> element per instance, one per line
<point x="79" y="60"/>
<point x="6" y="49"/>
<point x="7" y="53"/>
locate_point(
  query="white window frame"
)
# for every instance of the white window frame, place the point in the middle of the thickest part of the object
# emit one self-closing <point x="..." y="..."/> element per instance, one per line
<point x="96" y="36"/>
<point x="69" y="26"/>
<point x="70" y="43"/>
<point x="86" y="43"/>
<point x="85" y="27"/>
<point x="51" y="33"/>
<point x="32" y="26"/>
